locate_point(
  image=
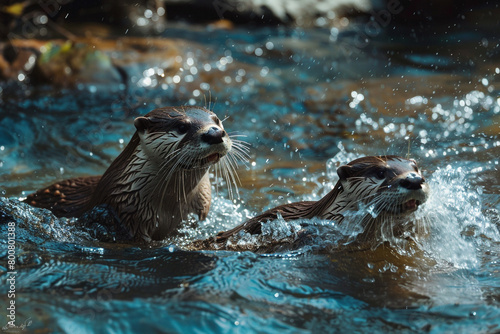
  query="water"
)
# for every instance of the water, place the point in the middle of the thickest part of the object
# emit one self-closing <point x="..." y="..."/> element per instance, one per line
<point x="306" y="105"/>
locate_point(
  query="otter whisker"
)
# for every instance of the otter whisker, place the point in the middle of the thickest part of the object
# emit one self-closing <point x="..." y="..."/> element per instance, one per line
<point x="378" y="204"/>
<point x="233" y="136"/>
<point x="244" y="146"/>
<point x="233" y="159"/>
<point x="239" y="158"/>
<point x="223" y="174"/>
<point x="167" y="166"/>
<point x="240" y="154"/>
<point x="167" y="159"/>
<point x="216" y="178"/>
<point x="227" y="177"/>
<point x="241" y="151"/>
<point x="180" y="180"/>
<point x="241" y="142"/>
<point x="163" y="184"/>
<point x="179" y="184"/>
<point x="241" y="145"/>
<point x="232" y="176"/>
<point x="371" y="197"/>
<point x="182" y="190"/>
<point x="209" y="107"/>
<point x="220" y="176"/>
<point x="367" y="200"/>
<point x="236" y="133"/>
<point x="231" y="164"/>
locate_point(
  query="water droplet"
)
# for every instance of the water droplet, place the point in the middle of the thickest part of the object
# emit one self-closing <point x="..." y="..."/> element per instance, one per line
<point x="372" y="211"/>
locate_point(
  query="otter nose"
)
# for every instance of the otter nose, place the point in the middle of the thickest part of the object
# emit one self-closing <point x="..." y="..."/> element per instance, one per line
<point x="214" y="135"/>
<point x="412" y="181"/>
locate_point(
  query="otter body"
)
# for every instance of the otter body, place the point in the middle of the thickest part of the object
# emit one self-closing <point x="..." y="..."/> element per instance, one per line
<point x="159" y="178"/>
<point x="388" y="187"/>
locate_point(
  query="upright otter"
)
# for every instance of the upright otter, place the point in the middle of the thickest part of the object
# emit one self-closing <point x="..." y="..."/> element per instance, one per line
<point x="388" y="187"/>
<point x="160" y="177"/>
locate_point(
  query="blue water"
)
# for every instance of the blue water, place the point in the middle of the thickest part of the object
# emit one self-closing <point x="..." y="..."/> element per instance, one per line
<point x="306" y="105"/>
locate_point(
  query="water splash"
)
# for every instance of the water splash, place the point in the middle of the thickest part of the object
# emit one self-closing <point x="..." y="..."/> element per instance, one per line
<point x="37" y="225"/>
<point x="454" y="215"/>
<point x="223" y="215"/>
<point x="277" y="233"/>
<point x="341" y="158"/>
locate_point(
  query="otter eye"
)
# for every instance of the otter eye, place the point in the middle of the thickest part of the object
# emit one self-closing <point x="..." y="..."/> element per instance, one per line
<point x="182" y="128"/>
<point x="380" y="174"/>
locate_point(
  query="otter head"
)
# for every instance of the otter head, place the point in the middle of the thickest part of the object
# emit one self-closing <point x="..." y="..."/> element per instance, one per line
<point x="194" y="135"/>
<point x="386" y="184"/>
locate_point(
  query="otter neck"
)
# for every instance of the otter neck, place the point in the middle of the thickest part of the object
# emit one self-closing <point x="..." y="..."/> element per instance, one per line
<point x="330" y="206"/>
<point x="342" y="198"/>
<point x="156" y="181"/>
<point x="137" y="179"/>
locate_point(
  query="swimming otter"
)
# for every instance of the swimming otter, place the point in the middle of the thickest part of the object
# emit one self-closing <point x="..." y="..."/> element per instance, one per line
<point x="159" y="178"/>
<point x="389" y="187"/>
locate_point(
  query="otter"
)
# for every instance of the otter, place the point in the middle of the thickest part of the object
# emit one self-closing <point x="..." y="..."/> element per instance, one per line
<point x="160" y="177"/>
<point x="388" y="187"/>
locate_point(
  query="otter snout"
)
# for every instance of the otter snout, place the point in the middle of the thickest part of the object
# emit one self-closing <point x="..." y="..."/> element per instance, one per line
<point x="213" y="135"/>
<point x="412" y="181"/>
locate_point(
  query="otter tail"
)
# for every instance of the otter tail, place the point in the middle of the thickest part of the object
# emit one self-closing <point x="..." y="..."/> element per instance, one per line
<point x="68" y="198"/>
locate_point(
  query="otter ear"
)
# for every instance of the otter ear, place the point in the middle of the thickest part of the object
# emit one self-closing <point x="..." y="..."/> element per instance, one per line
<point x="345" y="172"/>
<point x="141" y="123"/>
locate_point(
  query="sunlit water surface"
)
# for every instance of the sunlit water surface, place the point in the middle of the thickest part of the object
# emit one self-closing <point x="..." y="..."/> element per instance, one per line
<point x="306" y="105"/>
